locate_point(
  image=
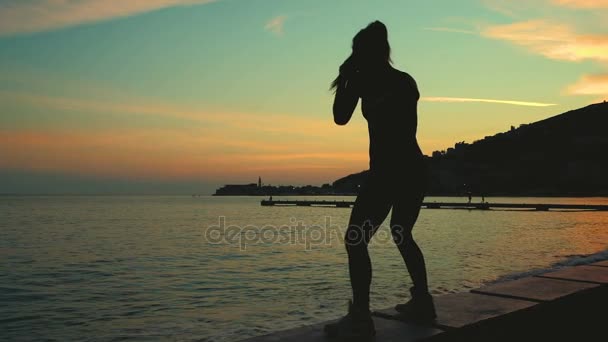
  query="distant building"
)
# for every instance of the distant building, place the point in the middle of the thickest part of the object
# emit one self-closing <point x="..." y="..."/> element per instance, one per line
<point x="261" y="189"/>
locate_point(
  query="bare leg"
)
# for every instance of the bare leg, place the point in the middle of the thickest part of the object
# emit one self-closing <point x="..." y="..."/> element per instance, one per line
<point x="404" y="216"/>
<point x="370" y="210"/>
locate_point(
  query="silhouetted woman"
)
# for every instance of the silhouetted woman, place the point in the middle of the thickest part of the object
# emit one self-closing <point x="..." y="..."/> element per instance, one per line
<point x="396" y="180"/>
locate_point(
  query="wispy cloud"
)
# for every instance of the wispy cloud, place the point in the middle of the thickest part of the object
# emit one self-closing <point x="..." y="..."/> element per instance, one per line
<point x="269" y="122"/>
<point x="449" y="29"/>
<point x="552" y="40"/>
<point x="464" y="99"/>
<point x="216" y="145"/>
<point x="17" y="16"/>
<point x="585" y="4"/>
<point x="504" y="7"/>
<point x="168" y="154"/>
<point x="276" y="25"/>
<point x="590" y="85"/>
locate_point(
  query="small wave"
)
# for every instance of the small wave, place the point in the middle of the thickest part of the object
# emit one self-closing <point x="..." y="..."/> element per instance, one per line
<point x="285" y="268"/>
<point x="19" y="319"/>
<point x="571" y="260"/>
<point x="12" y="290"/>
<point x="25" y="297"/>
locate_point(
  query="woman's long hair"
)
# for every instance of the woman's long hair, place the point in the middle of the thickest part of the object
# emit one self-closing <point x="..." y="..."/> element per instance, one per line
<point x="370" y="46"/>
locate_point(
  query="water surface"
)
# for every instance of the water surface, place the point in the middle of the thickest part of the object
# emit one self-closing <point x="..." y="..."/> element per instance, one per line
<point x="106" y="268"/>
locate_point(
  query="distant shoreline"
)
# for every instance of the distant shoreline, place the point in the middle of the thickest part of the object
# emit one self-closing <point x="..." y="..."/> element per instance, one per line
<point x="431" y="195"/>
<point x="302" y="195"/>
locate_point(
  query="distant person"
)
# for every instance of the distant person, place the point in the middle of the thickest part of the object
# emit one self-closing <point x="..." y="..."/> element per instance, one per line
<point x="470" y="197"/>
<point x="270" y="198"/>
<point x="397" y="177"/>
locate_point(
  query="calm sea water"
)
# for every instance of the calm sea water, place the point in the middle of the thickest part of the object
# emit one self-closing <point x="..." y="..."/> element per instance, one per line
<point x="105" y="268"/>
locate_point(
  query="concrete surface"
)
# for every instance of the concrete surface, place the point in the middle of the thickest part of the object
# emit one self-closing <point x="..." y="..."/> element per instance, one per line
<point x="591" y="274"/>
<point x="535" y="289"/>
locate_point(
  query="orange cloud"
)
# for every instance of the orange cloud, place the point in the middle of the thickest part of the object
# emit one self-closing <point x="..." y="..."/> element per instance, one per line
<point x="214" y="145"/>
<point x="177" y="154"/>
<point x="238" y="122"/>
<point x="586" y="4"/>
<point x="552" y="40"/>
<point x="41" y="15"/>
<point x="590" y="85"/>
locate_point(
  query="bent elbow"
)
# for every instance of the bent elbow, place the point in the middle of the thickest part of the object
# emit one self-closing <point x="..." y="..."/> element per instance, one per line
<point x="341" y="118"/>
<point x="340" y="121"/>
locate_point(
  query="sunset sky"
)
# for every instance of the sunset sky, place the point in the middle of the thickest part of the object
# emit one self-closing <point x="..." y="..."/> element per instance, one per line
<point x="179" y="96"/>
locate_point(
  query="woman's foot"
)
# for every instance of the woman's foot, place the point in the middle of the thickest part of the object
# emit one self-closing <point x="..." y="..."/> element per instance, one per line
<point x="420" y="308"/>
<point x="357" y="325"/>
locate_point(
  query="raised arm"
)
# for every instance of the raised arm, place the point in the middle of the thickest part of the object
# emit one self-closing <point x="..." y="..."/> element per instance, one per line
<point x="345" y="102"/>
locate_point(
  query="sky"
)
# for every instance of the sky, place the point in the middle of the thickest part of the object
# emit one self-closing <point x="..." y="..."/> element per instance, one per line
<point x="182" y="96"/>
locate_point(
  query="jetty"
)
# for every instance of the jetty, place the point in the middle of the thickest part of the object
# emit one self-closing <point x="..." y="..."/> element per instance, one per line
<point x="446" y="205"/>
<point x="562" y="305"/>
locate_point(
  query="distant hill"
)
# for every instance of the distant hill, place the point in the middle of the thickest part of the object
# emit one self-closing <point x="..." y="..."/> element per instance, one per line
<point x="565" y="155"/>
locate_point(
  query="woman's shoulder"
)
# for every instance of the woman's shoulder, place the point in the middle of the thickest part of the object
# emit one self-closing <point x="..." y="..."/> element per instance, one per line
<point x="405" y="76"/>
<point x="408" y="81"/>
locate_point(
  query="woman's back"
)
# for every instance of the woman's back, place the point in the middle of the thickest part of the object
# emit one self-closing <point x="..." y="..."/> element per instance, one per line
<point x="389" y="104"/>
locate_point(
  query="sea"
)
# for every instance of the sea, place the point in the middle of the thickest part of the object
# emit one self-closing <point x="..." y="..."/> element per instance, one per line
<point x="203" y="268"/>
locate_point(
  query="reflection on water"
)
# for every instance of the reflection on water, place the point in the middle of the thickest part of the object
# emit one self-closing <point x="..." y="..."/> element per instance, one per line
<point x="158" y="267"/>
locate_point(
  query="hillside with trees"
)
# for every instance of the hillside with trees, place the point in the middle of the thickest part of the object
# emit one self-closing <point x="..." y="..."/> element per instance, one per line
<point x="564" y="155"/>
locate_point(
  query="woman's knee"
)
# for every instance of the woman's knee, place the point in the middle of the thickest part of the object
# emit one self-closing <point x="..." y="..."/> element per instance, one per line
<point x="357" y="237"/>
<point x="402" y="235"/>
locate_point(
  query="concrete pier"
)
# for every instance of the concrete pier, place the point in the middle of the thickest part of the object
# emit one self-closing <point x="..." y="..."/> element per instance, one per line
<point x="567" y="304"/>
<point x="445" y="205"/>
